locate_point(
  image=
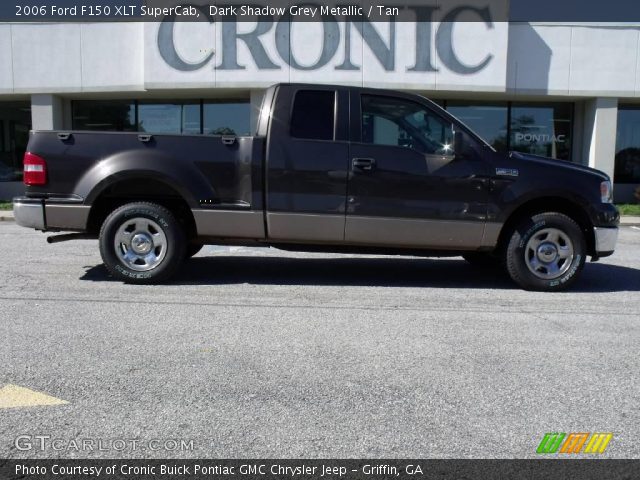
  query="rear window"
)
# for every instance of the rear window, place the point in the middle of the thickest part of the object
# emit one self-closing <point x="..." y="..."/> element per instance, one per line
<point x="313" y="114"/>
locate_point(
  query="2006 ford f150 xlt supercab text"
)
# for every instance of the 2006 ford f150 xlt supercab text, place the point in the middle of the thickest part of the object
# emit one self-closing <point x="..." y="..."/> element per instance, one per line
<point x="331" y="168"/>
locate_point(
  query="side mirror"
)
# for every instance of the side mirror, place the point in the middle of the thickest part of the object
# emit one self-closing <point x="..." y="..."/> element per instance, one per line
<point x="459" y="144"/>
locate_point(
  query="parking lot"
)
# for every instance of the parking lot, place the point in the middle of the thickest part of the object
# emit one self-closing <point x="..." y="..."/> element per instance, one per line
<point x="255" y="353"/>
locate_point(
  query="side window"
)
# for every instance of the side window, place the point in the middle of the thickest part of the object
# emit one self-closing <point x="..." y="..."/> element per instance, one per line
<point x="398" y="122"/>
<point x="313" y="114"/>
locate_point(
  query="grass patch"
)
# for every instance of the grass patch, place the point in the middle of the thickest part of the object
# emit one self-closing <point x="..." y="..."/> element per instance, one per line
<point x="629" y="208"/>
<point x="6" y="205"/>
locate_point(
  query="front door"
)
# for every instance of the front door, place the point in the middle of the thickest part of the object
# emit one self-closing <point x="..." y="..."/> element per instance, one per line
<point x="407" y="186"/>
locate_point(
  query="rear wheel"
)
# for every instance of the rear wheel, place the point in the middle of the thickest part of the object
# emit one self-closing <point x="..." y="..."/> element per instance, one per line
<point x="546" y="252"/>
<point x="142" y="243"/>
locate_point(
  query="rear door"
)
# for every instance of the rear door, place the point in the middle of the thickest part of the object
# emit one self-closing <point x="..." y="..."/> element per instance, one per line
<point x="307" y="164"/>
<point x="407" y="186"/>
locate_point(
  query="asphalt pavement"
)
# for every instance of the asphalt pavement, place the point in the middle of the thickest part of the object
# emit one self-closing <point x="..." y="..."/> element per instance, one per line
<point x="254" y="353"/>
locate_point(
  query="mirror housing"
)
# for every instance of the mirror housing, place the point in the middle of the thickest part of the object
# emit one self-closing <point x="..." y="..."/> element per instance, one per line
<point x="463" y="145"/>
<point x="459" y="144"/>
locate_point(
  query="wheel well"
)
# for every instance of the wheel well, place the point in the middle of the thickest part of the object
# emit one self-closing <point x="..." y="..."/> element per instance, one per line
<point x="135" y="190"/>
<point x="549" y="204"/>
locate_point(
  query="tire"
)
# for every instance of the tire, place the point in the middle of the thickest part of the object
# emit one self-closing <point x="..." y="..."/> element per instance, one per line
<point x="192" y="249"/>
<point x="546" y="252"/>
<point x="482" y="259"/>
<point x="142" y="243"/>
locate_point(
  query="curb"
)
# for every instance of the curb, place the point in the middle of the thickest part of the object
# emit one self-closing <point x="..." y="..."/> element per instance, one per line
<point x="6" y="216"/>
<point x="630" y="221"/>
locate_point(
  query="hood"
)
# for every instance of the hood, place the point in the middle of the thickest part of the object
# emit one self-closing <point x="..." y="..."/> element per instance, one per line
<point x="555" y="163"/>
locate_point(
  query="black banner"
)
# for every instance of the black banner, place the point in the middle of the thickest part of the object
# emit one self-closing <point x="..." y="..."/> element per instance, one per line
<point x="253" y="10"/>
<point x="570" y="469"/>
<point x="317" y="10"/>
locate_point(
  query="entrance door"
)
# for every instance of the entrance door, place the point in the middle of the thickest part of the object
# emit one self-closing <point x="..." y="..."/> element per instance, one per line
<point x="408" y="187"/>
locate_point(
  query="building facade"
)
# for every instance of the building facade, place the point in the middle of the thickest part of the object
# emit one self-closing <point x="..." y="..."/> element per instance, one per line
<point x="568" y="91"/>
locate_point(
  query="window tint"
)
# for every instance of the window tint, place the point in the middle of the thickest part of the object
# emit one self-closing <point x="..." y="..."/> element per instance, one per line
<point x="223" y="117"/>
<point x="227" y="118"/>
<point x="15" y="123"/>
<point x="113" y="115"/>
<point x="313" y="114"/>
<point x="628" y="145"/>
<point x="398" y="122"/>
<point x="169" y="117"/>
<point x="489" y="120"/>
<point x="542" y="129"/>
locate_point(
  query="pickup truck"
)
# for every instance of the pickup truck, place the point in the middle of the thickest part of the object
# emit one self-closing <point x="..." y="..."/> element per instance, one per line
<point x="331" y="169"/>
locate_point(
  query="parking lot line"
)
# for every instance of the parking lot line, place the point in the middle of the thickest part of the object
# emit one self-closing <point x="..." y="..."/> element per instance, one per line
<point x="14" y="396"/>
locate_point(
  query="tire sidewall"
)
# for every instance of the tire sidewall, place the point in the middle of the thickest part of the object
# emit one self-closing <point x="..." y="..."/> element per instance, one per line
<point x="516" y="262"/>
<point x="170" y="227"/>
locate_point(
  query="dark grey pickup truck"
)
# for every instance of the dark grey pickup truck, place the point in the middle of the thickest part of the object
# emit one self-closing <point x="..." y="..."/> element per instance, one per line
<point x="331" y="168"/>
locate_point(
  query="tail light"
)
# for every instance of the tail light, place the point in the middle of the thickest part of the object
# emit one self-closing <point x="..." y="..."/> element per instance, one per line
<point x="35" y="169"/>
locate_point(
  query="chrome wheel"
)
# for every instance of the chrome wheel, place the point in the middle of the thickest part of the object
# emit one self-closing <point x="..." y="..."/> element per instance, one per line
<point x="549" y="253"/>
<point x="140" y="244"/>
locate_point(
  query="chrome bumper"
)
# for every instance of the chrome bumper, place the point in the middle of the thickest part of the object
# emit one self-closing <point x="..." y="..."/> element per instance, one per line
<point x="606" y="238"/>
<point x="30" y="215"/>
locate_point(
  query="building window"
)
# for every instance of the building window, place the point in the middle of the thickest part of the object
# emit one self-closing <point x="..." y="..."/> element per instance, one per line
<point x="112" y="115"/>
<point x="191" y="117"/>
<point x="489" y="120"/>
<point x="169" y="117"/>
<point x="542" y="129"/>
<point x="627" y="169"/>
<point x="313" y="114"/>
<point x="226" y="118"/>
<point x="536" y="128"/>
<point x="15" y="123"/>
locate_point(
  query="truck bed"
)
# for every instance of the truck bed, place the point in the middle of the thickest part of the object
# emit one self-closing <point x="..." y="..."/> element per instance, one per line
<point x="207" y="170"/>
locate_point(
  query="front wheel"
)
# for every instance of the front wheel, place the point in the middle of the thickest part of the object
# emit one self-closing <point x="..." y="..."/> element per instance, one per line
<point x="142" y="243"/>
<point x="546" y="252"/>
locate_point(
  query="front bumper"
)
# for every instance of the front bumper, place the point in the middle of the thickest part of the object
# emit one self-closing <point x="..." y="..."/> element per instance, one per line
<point x="606" y="238"/>
<point x="29" y="214"/>
<point x="604" y="214"/>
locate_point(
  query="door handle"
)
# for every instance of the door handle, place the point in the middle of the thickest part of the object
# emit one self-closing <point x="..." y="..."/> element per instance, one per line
<point x="367" y="164"/>
<point x="228" y="139"/>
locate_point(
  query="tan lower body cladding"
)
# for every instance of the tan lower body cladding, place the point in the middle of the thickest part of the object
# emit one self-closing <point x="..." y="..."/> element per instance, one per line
<point x="334" y="229"/>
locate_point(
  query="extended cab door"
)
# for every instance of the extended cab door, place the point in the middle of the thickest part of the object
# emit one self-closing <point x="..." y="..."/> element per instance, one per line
<point x="307" y="164"/>
<point x="407" y="185"/>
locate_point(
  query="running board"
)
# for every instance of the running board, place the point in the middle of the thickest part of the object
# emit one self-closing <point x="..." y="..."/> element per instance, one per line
<point x="70" y="236"/>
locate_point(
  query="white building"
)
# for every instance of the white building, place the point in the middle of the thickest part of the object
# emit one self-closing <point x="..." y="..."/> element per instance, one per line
<point x="570" y="91"/>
